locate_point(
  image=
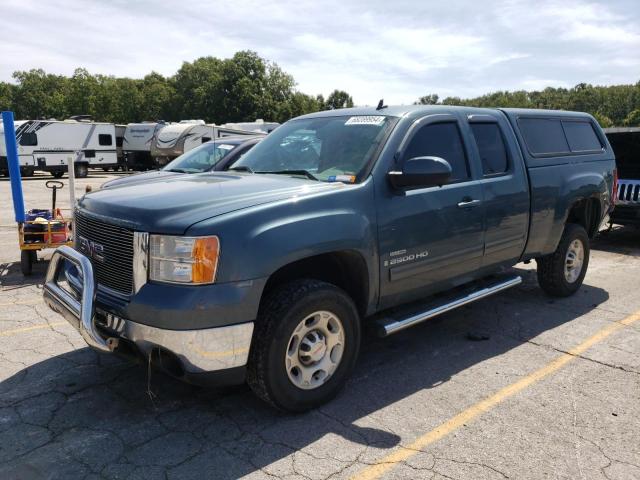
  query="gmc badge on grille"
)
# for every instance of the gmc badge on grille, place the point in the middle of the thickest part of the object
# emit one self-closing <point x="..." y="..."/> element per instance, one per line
<point x="91" y="249"/>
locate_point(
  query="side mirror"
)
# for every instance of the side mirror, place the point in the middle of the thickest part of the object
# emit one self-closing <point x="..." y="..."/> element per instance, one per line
<point x="421" y="172"/>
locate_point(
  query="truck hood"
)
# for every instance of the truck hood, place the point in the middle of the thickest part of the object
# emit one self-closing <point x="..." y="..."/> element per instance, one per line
<point x="139" y="178"/>
<point x="171" y="206"/>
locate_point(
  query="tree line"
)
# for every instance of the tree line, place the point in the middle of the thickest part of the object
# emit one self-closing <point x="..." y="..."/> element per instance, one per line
<point x="241" y="88"/>
<point x="615" y="105"/>
<point x="246" y="87"/>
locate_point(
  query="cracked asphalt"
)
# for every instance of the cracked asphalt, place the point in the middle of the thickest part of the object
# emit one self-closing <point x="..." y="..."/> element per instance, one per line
<point x="67" y="412"/>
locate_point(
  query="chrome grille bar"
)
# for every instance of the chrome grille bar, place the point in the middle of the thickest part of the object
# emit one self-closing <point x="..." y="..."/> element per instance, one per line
<point x="628" y="192"/>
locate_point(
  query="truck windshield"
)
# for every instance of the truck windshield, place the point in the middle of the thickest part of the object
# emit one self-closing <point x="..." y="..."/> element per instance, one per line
<point x="328" y="149"/>
<point x="201" y="158"/>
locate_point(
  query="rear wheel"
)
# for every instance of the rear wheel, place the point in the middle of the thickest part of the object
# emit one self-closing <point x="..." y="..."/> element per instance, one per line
<point x="82" y="170"/>
<point x="305" y="345"/>
<point x="27" y="259"/>
<point x="561" y="274"/>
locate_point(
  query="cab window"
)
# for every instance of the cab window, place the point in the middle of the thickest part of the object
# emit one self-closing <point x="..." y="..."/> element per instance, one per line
<point x="491" y="147"/>
<point x="441" y="140"/>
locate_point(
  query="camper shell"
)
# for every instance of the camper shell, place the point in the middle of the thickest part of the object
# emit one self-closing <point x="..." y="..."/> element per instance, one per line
<point x="174" y="139"/>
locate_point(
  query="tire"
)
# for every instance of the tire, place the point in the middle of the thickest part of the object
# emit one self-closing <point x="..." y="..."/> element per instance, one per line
<point x="27" y="259"/>
<point x="27" y="172"/>
<point x="282" y="314"/>
<point x="57" y="173"/>
<point x="82" y="170"/>
<point x="552" y="276"/>
<point x="106" y="169"/>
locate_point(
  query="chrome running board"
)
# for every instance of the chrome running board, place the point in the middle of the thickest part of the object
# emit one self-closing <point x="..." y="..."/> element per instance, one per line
<point x="387" y="325"/>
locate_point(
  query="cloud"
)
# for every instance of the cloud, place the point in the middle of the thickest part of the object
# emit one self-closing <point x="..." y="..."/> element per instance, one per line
<point x="397" y="50"/>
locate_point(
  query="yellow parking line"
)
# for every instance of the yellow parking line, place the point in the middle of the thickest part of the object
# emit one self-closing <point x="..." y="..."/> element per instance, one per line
<point x="27" y="302"/>
<point x="405" y="452"/>
<point x="15" y="331"/>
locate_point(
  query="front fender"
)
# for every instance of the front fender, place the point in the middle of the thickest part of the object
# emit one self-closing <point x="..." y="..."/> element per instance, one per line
<point x="255" y="242"/>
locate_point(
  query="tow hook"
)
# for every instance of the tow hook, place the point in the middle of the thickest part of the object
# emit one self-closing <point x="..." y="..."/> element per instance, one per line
<point x="112" y="343"/>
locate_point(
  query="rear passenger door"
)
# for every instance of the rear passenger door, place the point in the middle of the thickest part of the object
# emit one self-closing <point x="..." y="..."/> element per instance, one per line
<point x="431" y="238"/>
<point x="505" y="191"/>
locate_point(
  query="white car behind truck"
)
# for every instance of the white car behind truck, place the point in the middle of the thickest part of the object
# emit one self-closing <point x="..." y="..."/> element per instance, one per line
<point x="48" y="145"/>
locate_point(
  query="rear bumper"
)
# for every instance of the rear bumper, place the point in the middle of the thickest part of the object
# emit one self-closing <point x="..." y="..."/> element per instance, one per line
<point x="190" y="353"/>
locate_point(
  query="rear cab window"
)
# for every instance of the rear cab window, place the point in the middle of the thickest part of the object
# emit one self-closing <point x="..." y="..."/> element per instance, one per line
<point x="491" y="147"/>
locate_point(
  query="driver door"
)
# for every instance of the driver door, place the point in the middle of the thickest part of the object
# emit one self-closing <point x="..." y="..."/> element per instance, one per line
<point x="431" y="238"/>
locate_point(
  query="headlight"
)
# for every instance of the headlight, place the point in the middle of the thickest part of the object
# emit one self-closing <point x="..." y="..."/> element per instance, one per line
<point x="183" y="259"/>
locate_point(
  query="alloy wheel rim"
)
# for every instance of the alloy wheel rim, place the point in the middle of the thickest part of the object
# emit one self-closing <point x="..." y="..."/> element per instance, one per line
<point x="315" y="350"/>
<point x="574" y="260"/>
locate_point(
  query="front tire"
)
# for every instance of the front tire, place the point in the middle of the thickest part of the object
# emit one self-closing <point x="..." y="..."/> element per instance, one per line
<point x="305" y="345"/>
<point x="561" y="274"/>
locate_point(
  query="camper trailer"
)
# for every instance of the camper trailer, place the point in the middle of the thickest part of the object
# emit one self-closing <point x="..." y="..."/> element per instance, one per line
<point x="177" y="138"/>
<point x="136" y="146"/>
<point x="48" y="144"/>
<point x="27" y="166"/>
<point x="258" y="126"/>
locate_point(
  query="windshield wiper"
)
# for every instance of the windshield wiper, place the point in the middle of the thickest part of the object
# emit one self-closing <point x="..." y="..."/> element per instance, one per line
<point x="240" y="168"/>
<point x="176" y="170"/>
<point x="306" y="173"/>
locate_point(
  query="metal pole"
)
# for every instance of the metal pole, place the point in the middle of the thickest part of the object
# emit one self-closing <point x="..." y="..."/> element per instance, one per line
<point x="72" y="185"/>
<point x="14" y="166"/>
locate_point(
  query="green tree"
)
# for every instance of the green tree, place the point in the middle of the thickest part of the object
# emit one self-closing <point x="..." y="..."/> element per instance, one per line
<point x="633" y="119"/>
<point x="338" y="99"/>
<point x="6" y="96"/>
<point x="431" y="99"/>
<point x="603" y="120"/>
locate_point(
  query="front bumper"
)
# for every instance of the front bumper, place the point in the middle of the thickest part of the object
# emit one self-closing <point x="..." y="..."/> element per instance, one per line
<point x="195" y="351"/>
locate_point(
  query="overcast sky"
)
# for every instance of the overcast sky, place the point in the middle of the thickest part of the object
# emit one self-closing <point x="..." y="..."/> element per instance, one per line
<point x="394" y="49"/>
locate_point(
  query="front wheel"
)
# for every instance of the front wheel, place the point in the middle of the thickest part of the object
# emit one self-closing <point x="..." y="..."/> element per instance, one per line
<point x="305" y="345"/>
<point x="561" y="274"/>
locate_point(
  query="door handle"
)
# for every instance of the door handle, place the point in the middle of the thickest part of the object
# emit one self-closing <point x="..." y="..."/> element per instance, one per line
<point x="468" y="203"/>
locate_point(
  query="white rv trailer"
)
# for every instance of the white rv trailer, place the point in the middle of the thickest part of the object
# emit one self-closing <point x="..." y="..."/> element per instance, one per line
<point x="258" y="126"/>
<point x="120" y="130"/>
<point x="177" y="138"/>
<point x="136" y="146"/>
<point x="27" y="166"/>
<point x="47" y="144"/>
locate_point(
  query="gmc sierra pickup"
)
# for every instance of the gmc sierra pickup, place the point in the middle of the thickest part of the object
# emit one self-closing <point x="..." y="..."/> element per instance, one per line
<point x="267" y="273"/>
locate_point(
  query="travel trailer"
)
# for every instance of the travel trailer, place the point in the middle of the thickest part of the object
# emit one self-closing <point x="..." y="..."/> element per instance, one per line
<point x="136" y="145"/>
<point x="174" y="139"/>
<point x="48" y="144"/>
<point x="258" y="126"/>
<point x="27" y="166"/>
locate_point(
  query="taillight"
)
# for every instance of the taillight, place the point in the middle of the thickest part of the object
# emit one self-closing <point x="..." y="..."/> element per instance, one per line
<point x="615" y="186"/>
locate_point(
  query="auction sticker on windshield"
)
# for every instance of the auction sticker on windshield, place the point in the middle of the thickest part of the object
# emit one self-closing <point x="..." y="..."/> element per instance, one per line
<point x="365" y="120"/>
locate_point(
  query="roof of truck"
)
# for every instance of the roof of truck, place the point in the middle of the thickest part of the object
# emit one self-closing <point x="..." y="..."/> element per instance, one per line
<point x="402" y="110"/>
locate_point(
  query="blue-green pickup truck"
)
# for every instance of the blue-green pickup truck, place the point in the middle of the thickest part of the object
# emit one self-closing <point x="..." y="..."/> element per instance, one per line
<point x="337" y="220"/>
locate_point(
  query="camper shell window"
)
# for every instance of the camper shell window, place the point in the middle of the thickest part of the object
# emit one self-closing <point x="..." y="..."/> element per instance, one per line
<point x="29" y="139"/>
<point x="581" y="136"/>
<point x="104" y="139"/>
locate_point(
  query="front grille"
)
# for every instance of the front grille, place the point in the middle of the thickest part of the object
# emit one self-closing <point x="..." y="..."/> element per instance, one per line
<point x="629" y="192"/>
<point x="116" y="271"/>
